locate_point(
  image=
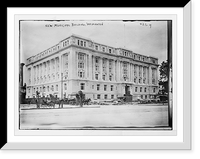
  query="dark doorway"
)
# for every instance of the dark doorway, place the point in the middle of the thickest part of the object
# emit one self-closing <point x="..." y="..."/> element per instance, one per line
<point x="127" y="90"/>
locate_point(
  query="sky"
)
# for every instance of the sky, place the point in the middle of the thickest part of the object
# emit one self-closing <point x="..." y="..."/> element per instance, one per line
<point x="144" y="37"/>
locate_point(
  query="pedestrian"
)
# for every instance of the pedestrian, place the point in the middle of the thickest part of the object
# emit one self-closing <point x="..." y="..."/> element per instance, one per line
<point x="77" y="99"/>
<point x="81" y="98"/>
<point x="37" y="99"/>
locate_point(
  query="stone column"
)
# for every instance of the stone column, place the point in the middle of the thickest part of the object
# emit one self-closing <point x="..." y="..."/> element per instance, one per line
<point x="86" y="66"/>
<point x="150" y="75"/>
<point x="147" y="75"/>
<point x="107" y="71"/>
<point x="133" y="73"/>
<point x="93" y="67"/>
<point x="100" y="69"/>
<point x="129" y="72"/>
<point x="138" y="69"/>
<point x="90" y="67"/>
<point x="60" y="66"/>
<point x="118" y="70"/>
<point x="142" y="71"/>
<point x="92" y="58"/>
<point x="32" y="75"/>
<point x="121" y="73"/>
<point x="114" y="72"/>
<point x="156" y="76"/>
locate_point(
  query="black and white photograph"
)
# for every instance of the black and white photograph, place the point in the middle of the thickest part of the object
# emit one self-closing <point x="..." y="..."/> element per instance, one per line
<point x="95" y="74"/>
<point x="99" y="79"/>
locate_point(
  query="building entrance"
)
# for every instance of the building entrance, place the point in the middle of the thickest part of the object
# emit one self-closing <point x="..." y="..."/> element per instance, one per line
<point x="127" y="90"/>
<point x="127" y="95"/>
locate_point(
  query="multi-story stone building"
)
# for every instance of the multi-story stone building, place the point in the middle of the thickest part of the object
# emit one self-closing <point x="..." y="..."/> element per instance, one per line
<point x="100" y="71"/>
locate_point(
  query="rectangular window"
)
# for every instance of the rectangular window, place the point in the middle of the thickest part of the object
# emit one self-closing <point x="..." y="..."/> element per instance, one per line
<point x="97" y="67"/>
<point x="135" y="89"/>
<point x="82" y="86"/>
<point x="110" y="77"/>
<point x="81" y="43"/>
<point x="103" y="49"/>
<point x="104" y="77"/>
<point x="145" y="89"/>
<point x="154" y="90"/>
<point x="56" y="87"/>
<point x="98" y="87"/>
<point x="52" y="88"/>
<point x="84" y="44"/>
<point x="98" y="96"/>
<point x="110" y="70"/>
<point x="104" y="68"/>
<point x="140" y="89"/>
<point x="81" y="56"/>
<point x="81" y="74"/>
<point x="96" y="76"/>
<point x="80" y="65"/>
<point x="105" y="87"/>
<point x="110" y="51"/>
<point x="65" y="86"/>
<point x="105" y="96"/>
<point x="111" y="88"/>
<point x="96" y="47"/>
<point x="96" y="60"/>
<point x="112" y="96"/>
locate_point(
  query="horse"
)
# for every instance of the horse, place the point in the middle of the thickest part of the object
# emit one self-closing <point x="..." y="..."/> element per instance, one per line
<point x="44" y="102"/>
<point x="86" y="101"/>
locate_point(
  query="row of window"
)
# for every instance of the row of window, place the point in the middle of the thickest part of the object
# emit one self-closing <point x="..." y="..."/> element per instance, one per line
<point x="103" y="49"/>
<point x="47" y="89"/>
<point x="137" y="56"/>
<point x="105" y="88"/>
<point x="51" y="50"/>
<point x="105" y="96"/>
<point x="43" y="79"/>
<point x="97" y="47"/>
<point x="81" y="43"/>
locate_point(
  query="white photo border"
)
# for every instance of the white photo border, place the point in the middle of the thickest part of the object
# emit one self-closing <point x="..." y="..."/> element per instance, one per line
<point x="121" y="137"/>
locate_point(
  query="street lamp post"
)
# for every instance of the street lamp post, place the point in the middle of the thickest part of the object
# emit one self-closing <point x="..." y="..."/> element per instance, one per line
<point x="61" y="87"/>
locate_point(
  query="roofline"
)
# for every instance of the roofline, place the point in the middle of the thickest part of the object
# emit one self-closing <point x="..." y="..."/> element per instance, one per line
<point x="84" y="38"/>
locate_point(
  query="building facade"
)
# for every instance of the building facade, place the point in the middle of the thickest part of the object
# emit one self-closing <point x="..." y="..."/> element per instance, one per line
<point x="100" y="71"/>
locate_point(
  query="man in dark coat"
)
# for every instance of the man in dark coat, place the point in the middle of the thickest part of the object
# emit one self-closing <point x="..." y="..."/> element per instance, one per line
<point x="81" y="98"/>
<point x="37" y="99"/>
<point x="77" y="99"/>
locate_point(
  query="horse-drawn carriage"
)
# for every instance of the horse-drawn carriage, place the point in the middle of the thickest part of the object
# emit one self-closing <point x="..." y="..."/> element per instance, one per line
<point x="47" y="102"/>
<point x="51" y="101"/>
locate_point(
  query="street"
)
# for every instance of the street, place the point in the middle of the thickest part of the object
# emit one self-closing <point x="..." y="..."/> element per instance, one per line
<point x="94" y="116"/>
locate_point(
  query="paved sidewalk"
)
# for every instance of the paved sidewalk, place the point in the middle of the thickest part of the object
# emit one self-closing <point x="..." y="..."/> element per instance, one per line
<point x="65" y="106"/>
